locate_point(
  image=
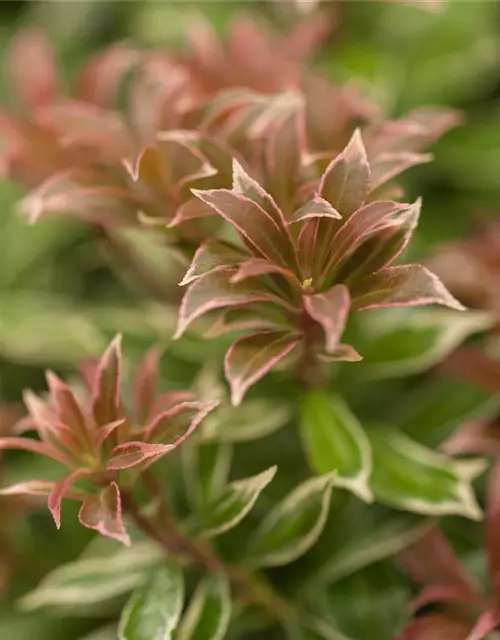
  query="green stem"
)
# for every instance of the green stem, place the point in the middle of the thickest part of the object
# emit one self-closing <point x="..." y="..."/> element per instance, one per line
<point x="251" y="590"/>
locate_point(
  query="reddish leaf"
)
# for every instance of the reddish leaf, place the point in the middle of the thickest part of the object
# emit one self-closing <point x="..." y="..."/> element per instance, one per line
<point x="67" y="406"/>
<point x="492" y="532"/>
<point x="101" y="77"/>
<point x="30" y="488"/>
<point x="103" y="433"/>
<point x="170" y="398"/>
<point x="59" y="491"/>
<point x="479" y="437"/>
<point x="190" y="210"/>
<point x="471" y="364"/>
<point x="243" y="319"/>
<point x="331" y="310"/>
<point x="387" y="166"/>
<point x="32" y="69"/>
<point x="211" y="256"/>
<point x="316" y="208"/>
<point x="131" y="454"/>
<point x="436" y="627"/>
<point x="174" y="425"/>
<point x="283" y="148"/>
<point x="255" y="225"/>
<point x="261" y="267"/>
<point x="215" y="291"/>
<point x="487" y="623"/>
<point x="145" y="384"/>
<point x="34" y="446"/>
<point x="346" y="182"/>
<point x="252" y="357"/>
<point x="366" y="223"/>
<point x="102" y="512"/>
<point x="107" y="384"/>
<point x="408" y="285"/>
<point x="431" y="561"/>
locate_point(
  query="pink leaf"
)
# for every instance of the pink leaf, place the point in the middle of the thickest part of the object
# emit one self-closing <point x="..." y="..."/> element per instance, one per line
<point x="211" y="256"/>
<point x="261" y="267"/>
<point x="366" y="223"/>
<point x="145" y="384"/>
<point x="478" y="437"/>
<point x="174" y="425"/>
<point x="331" y="310"/>
<point x="431" y="561"/>
<point x="102" y="512"/>
<point x="215" y="290"/>
<point x="408" y="285"/>
<point x="346" y="182"/>
<point x="107" y="384"/>
<point x="67" y="406"/>
<point x="103" y="433"/>
<point x="32" y="68"/>
<point x="316" y="208"/>
<point x="190" y="210"/>
<point x="252" y="357"/>
<point x="469" y="363"/>
<point x="487" y="623"/>
<point x="256" y="227"/>
<point x="131" y="454"/>
<point x="492" y="531"/>
<point x="29" y="488"/>
<point x="387" y="166"/>
<point x="59" y="491"/>
<point x="436" y="627"/>
<point x="170" y="398"/>
<point x="34" y="446"/>
<point x="100" y="79"/>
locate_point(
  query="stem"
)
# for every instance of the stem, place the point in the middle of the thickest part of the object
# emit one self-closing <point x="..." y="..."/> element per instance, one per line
<point x="253" y="592"/>
<point x="310" y="370"/>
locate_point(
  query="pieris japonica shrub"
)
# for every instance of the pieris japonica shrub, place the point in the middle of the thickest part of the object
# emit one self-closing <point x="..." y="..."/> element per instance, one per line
<point x="230" y="439"/>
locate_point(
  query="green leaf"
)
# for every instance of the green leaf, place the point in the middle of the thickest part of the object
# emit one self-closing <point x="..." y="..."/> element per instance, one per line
<point x="206" y="467"/>
<point x="294" y="525"/>
<point x="407" y="343"/>
<point x="255" y="419"/>
<point x="106" y="633"/>
<point x="209" y="612"/>
<point x="153" y="611"/>
<point x="432" y="411"/>
<point x="232" y="505"/>
<point x="315" y="629"/>
<point x="408" y="476"/>
<point x="91" y="582"/>
<point x="334" y="440"/>
<point x="358" y="536"/>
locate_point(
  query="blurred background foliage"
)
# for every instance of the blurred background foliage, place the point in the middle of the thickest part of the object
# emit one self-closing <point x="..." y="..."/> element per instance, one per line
<point x="62" y="295"/>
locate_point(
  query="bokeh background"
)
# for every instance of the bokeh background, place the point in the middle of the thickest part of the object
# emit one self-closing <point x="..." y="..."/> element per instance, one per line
<point x="63" y="295"/>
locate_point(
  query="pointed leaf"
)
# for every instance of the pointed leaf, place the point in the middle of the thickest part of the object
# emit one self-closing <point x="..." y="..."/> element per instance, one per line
<point x="58" y="492"/>
<point x="261" y="267"/>
<point x="154" y="609"/>
<point x="107" y="384"/>
<point x="252" y="357"/>
<point x="233" y="504"/>
<point x="103" y="513"/>
<point x="408" y="476"/>
<point x="408" y="285"/>
<point x="216" y="290"/>
<point x="416" y="341"/>
<point x="293" y="525"/>
<point x="486" y="623"/>
<point x="331" y="310"/>
<point x="176" y="424"/>
<point x="257" y="228"/>
<point x="346" y="182"/>
<point x="211" y="256"/>
<point x="132" y="454"/>
<point x="145" y="384"/>
<point x="93" y="581"/>
<point x="334" y="440"/>
<point x="436" y="627"/>
<point x="66" y="404"/>
<point x="209" y="612"/>
<point x="316" y="208"/>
